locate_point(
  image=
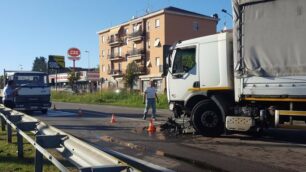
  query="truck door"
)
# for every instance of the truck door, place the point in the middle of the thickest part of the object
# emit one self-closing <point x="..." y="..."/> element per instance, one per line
<point x="183" y="73"/>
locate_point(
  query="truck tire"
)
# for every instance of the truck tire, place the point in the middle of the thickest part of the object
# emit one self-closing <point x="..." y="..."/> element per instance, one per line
<point x="207" y="119"/>
<point x="44" y="111"/>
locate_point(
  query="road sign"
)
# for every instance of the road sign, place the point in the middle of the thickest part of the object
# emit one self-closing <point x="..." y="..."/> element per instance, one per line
<point x="56" y="62"/>
<point x="74" y="54"/>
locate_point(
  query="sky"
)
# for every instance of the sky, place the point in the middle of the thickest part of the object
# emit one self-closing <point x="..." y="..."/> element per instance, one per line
<point x="34" y="28"/>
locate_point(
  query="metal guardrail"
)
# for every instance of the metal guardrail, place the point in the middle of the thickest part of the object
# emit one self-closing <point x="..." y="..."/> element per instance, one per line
<point x="85" y="157"/>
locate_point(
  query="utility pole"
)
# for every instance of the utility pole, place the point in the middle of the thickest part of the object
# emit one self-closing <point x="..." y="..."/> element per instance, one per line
<point x="86" y="51"/>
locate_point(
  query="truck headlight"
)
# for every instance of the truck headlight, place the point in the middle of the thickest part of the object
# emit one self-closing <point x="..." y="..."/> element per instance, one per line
<point x="171" y="106"/>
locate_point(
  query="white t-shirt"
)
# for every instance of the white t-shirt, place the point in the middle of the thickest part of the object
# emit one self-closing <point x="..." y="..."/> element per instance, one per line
<point x="8" y="93"/>
<point x="150" y="91"/>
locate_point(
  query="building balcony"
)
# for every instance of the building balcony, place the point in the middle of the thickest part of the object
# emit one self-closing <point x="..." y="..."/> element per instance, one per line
<point x="136" y="54"/>
<point x="115" y="41"/>
<point x="140" y="71"/>
<point x="136" y="36"/>
<point x="115" y="73"/>
<point x="115" y="56"/>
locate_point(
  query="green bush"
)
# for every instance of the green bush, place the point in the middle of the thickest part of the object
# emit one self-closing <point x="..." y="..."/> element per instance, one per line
<point x="110" y="97"/>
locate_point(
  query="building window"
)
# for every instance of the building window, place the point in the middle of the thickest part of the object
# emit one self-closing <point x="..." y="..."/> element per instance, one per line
<point x="157" y="61"/>
<point x="157" y="24"/>
<point x="134" y="46"/>
<point x="119" y="66"/>
<point x="103" y="68"/>
<point x="120" y="51"/>
<point x="103" y="39"/>
<point x="195" y="26"/>
<point x="157" y="42"/>
<point x="148" y="43"/>
<point x="136" y="27"/>
<point x="126" y="31"/>
<point x="103" y="53"/>
<point x="148" y="26"/>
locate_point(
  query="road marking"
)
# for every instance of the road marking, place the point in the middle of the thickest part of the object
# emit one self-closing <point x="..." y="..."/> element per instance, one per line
<point x="52" y="113"/>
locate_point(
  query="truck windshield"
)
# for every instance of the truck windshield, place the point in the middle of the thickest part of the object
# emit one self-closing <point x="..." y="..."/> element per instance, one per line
<point x="30" y="79"/>
<point x="184" y="60"/>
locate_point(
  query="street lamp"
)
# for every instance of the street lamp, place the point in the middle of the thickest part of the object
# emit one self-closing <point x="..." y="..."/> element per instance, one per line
<point x="86" y="51"/>
<point x="225" y="11"/>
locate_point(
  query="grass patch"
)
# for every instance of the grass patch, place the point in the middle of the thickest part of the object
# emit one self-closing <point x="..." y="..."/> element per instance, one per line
<point x="9" y="161"/>
<point x="124" y="98"/>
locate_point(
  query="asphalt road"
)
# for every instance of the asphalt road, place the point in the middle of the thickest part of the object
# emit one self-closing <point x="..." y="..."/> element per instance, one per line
<point x="278" y="150"/>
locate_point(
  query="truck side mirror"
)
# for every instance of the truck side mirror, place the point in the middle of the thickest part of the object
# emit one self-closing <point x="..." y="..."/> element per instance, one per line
<point x="165" y="70"/>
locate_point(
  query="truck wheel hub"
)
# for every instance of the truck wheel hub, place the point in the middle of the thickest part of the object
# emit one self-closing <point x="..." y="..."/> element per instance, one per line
<point x="209" y="119"/>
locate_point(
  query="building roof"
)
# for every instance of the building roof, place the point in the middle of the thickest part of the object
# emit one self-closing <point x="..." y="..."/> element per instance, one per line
<point x="11" y="72"/>
<point x="169" y="9"/>
<point x="179" y="10"/>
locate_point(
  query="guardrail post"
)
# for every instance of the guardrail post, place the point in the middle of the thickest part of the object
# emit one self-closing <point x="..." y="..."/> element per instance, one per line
<point x="3" y="124"/>
<point x="23" y="126"/>
<point x="39" y="161"/>
<point x="48" y="142"/>
<point x="20" y="145"/>
<point x="9" y="133"/>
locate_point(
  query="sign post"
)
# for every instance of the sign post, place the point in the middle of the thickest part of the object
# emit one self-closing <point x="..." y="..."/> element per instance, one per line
<point x="74" y="54"/>
<point x="56" y="62"/>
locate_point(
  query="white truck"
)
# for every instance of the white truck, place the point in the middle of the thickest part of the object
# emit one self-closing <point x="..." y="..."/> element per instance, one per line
<point x="247" y="80"/>
<point x="34" y="90"/>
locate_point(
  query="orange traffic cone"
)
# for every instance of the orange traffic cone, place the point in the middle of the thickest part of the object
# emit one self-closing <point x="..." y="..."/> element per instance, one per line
<point x="54" y="107"/>
<point x="151" y="127"/>
<point x="113" y="120"/>
<point x="80" y="112"/>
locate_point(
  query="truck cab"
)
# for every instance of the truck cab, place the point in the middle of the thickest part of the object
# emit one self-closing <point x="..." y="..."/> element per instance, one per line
<point x="34" y="90"/>
<point x="200" y="70"/>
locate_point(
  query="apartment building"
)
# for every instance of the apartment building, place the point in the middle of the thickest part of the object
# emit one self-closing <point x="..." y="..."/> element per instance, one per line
<point x="145" y="40"/>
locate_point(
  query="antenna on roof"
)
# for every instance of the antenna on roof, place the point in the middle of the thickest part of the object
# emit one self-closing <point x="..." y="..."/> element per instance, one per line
<point x="147" y="10"/>
<point x="149" y="6"/>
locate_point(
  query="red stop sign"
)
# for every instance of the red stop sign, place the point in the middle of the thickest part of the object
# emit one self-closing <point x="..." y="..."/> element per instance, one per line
<point x="74" y="52"/>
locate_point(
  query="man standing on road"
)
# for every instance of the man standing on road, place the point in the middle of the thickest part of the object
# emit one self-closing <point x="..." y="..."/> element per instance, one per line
<point x="9" y="92"/>
<point x="150" y="98"/>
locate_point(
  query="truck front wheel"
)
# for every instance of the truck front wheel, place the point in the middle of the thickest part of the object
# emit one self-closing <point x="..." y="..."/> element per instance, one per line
<point x="206" y="118"/>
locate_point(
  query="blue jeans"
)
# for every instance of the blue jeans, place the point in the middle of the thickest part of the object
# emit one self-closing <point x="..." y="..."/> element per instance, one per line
<point x="150" y="103"/>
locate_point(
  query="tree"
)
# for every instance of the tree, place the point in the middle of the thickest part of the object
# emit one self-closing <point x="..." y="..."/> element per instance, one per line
<point x="40" y="64"/>
<point x="73" y="77"/>
<point x="130" y="75"/>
